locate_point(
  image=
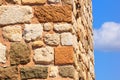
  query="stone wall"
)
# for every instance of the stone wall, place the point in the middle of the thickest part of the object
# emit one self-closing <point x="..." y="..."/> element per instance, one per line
<point x="46" y="40"/>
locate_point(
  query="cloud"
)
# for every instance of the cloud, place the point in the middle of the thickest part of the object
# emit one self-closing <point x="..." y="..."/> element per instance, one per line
<point x="107" y="38"/>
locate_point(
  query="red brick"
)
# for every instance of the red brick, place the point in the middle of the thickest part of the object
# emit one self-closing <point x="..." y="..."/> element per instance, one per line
<point x="64" y="55"/>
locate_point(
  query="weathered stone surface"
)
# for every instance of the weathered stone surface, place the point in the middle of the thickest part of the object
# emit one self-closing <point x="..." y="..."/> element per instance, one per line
<point x="34" y="1"/>
<point x="67" y="1"/>
<point x="44" y="55"/>
<point x="48" y="26"/>
<point x="13" y="33"/>
<point x="1" y="2"/>
<point x="2" y="53"/>
<point x="19" y="53"/>
<point x="54" y="1"/>
<point x="53" y="71"/>
<point x="9" y="73"/>
<point x="64" y="55"/>
<point x="52" y="39"/>
<point x="53" y="13"/>
<point x="16" y="1"/>
<point x="67" y="71"/>
<point x="63" y="27"/>
<point x="32" y="31"/>
<point x="15" y="14"/>
<point x="91" y="68"/>
<point x="34" y="72"/>
<point x="38" y="43"/>
<point x="66" y="39"/>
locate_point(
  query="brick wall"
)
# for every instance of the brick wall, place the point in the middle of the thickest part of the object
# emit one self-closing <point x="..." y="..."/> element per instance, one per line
<point x="46" y="40"/>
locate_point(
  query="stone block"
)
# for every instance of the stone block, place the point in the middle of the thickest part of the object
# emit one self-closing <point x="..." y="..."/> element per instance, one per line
<point x="63" y="27"/>
<point x="32" y="31"/>
<point x="9" y="73"/>
<point x="44" y="55"/>
<point x="34" y="1"/>
<point x="19" y="53"/>
<point x="52" y="39"/>
<point x="38" y="43"/>
<point x="2" y="53"/>
<point x="54" y="1"/>
<point x="67" y="1"/>
<point x="48" y="26"/>
<point x="33" y="73"/>
<point x="13" y="33"/>
<point x="53" y="13"/>
<point x="64" y="55"/>
<point x="67" y="71"/>
<point x="66" y="39"/>
<point x="15" y="14"/>
<point x="53" y="71"/>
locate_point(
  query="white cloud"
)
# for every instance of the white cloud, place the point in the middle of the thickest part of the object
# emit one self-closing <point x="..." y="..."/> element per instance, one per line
<point x="107" y="38"/>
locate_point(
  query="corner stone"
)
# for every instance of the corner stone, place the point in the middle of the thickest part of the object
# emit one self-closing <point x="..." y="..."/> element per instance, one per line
<point x="15" y="14"/>
<point x="34" y="73"/>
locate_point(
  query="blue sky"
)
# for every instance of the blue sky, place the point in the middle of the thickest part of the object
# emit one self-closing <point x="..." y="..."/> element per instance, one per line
<point x="106" y="14"/>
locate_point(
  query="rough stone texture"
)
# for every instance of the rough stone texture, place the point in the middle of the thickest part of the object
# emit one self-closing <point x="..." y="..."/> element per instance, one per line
<point x="67" y="1"/>
<point x="36" y="34"/>
<point x="47" y="26"/>
<point x="67" y="71"/>
<point x="53" y="13"/>
<point x="54" y="1"/>
<point x="32" y="31"/>
<point x="53" y="71"/>
<point x="34" y="72"/>
<point x="66" y="39"/>
<point x="63" y="27"/>
<point x="1" y="2"/>
<point x="8" y="14"/>
<point x="9" y="73"/>
<point x="13" y="33"/>
<point x="19" y="53"/>
<point x="2" y="53"/>
<point x="34" y="1"/>
<point x="64" y="55"/>
<point x="38" y="43"/>
<point x="52" y="39"/>
<point x="17" y="1"/>
<point x="44" y="55"/>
